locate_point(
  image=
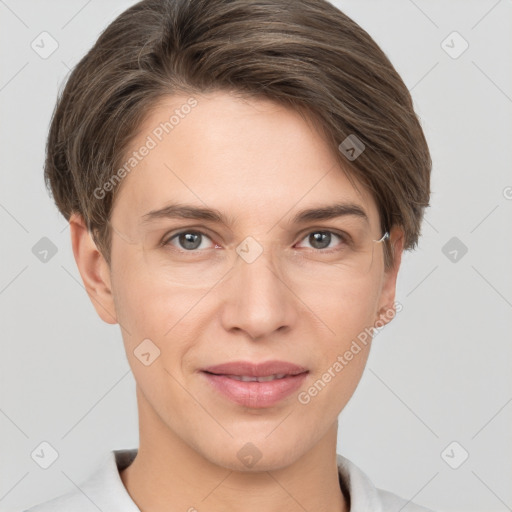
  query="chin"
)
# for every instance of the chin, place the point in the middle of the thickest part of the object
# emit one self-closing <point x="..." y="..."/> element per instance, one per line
<point x="257" y="453"/>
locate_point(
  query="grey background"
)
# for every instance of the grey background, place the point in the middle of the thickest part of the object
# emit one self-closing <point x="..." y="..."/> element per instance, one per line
<point x="439" y="373"/>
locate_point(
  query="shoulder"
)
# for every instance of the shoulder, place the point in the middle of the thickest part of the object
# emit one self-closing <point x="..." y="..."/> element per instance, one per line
<point x="364" y="496"/>
<point x="73" y="500"/>
<point x="391" y="503"/>
<point x="103" y="490"/>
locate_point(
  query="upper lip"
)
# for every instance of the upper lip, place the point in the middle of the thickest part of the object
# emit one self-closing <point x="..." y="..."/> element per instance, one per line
<point x="264" y="369"/>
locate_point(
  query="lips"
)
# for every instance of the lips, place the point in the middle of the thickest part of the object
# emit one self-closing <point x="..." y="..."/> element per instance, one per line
<point x="247" y="369"/>
<point x="255" y="385"/>
<point x="246" y="378"/>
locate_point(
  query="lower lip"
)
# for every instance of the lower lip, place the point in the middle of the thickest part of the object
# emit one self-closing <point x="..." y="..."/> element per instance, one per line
<point x="256" y="394"/>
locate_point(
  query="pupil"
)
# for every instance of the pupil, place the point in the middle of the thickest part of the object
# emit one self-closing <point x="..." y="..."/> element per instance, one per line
<point x="321" y="237"/>
<point x="190" y="240"/>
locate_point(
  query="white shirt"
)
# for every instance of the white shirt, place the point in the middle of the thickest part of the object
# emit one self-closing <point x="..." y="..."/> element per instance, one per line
<point x="104" y="490"/>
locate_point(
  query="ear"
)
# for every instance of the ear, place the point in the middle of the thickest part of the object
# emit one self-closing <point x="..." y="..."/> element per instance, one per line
<point x="386" y="308"/>
<point x="93" y="268"/>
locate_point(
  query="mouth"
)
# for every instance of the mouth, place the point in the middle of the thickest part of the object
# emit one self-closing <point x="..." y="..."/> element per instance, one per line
<point x="277" y="369"/>
<point x="247" y="378"/>
<point x="255" y="385"/>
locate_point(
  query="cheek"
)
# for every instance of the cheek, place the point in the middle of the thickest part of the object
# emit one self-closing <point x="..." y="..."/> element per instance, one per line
<point x="143" y="312"/>
<point x="151" y="316"/>
<point x="347" y="314"/>
<point x="149" y="308"/>
<point x="138" y="302"/>
<point x="344" y="308"/>
<point x="145" y="304"/>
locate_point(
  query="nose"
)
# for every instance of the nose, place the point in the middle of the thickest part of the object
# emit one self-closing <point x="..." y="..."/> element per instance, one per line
<point x="257" y="300"/>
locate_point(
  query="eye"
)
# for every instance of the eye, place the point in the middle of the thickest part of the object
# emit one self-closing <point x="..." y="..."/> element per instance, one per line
<point x="320" y="240"/>
<point x="188" y="240"/>
<point x="193" y="241"/>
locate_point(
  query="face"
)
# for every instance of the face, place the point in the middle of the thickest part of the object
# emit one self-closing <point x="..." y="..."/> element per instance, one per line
<point x="257" y="286"/>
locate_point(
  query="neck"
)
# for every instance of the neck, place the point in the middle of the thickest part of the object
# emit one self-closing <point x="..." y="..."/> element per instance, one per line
<point x="169" y="475"/>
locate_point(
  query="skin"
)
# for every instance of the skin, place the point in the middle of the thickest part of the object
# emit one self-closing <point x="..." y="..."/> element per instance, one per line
<point x="258" y="163"/>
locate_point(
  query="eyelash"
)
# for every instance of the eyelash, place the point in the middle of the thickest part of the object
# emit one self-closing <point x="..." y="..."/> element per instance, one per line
<point x="345" y="239"/>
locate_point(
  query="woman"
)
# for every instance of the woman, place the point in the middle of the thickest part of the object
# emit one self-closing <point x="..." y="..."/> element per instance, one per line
<point x="241" y="179"/>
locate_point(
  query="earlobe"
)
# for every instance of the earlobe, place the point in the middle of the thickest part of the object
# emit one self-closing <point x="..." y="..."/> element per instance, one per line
<point x="93" y="268"/>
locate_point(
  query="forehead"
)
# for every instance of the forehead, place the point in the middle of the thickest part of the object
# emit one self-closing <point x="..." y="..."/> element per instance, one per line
<point x="250" y="158"/>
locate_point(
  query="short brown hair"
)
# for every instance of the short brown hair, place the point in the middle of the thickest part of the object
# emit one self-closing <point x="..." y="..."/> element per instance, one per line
<point x="305" y="54"/>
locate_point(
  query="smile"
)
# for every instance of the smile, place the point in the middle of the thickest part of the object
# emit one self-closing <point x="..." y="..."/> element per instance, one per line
<point x="246" y="378"/>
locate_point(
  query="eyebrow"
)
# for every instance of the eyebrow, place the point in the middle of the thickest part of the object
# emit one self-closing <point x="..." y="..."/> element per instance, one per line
<point x="324" y="212"/>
